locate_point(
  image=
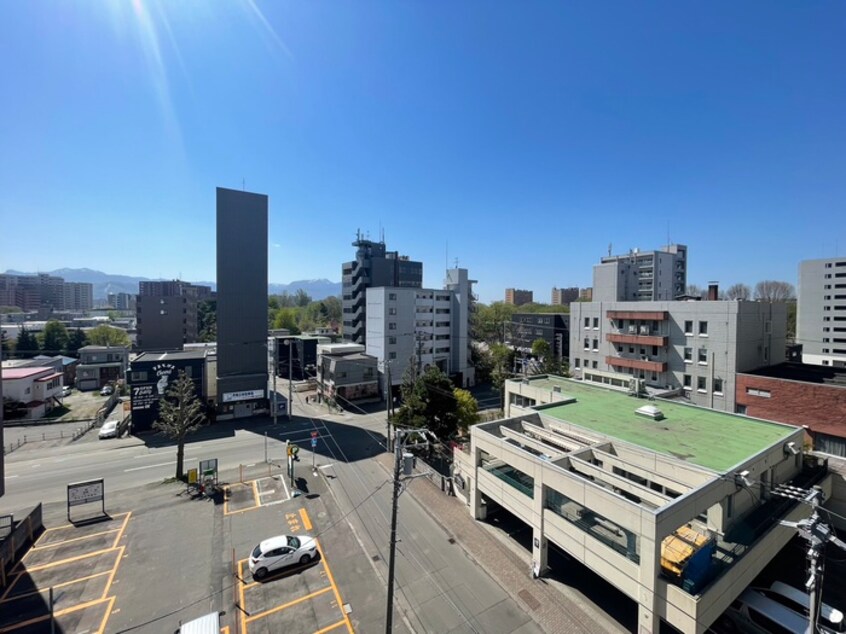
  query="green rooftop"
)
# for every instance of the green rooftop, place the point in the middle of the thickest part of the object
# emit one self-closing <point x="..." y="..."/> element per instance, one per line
<point x="710" y="439"/>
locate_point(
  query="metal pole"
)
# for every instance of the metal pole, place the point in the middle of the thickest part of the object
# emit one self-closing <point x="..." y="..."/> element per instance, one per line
<point x="265" y="447"/>
<point x="390" y="397"/>
<point x="389" y="617"/>
<point x="290" y="380"/>
<point x="275" y="365"/>
<point x="52" y="617"/>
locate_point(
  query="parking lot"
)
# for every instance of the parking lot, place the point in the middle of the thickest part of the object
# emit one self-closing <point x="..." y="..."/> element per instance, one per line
<point x="76" y="565"/>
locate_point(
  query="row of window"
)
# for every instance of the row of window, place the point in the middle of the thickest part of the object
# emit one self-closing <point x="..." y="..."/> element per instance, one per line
<point x="701" y="384"/>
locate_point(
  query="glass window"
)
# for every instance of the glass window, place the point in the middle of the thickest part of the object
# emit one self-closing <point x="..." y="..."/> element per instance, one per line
<point x="687" y="380"/>
<point x="392" y="325"/>
<point x="688" y="327"/>
<point x="688" y="354"/>
<point x="701" y="384"/>
<point x="587" y="322"/>
<point x="392" y="355"/>
<point x="587" y="343"/>
<point x="703" y="356"/>
<point x="392" y="340"/>
<point x="703" y="327"/>
<point x="392" y="311"/>
<point x="718" y="386"/>
<point x="392" y="295"/>
<point x="596" y="322"/>
<point x="577" y="361"/>
<point x="596" y="344"/>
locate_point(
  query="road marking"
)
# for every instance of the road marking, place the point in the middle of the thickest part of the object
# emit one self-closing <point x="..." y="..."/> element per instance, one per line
<point x="306" y="519"/>
<point x="150" y="466"/>
<point x="53" y="564"/>
<point x="75" y="539"/>
<point x="326" y="466"/>
<point x="334" y="586"/>
<point x="58" y="585"/>
<point x="331" y="627"/>
<point x="8" y="477"/>
<point x="279" y="608"/>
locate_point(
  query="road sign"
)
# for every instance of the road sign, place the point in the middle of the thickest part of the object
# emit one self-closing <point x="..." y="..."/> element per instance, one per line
<point x="313" y="443"/>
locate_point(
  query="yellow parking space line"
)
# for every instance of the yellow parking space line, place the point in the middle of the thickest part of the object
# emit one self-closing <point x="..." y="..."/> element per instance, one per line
<point x="66" y="561"/>
<point x="334" y="586"/>
<point x="256" y="496"/>
<point x="228" y="489"/>
<point x="122" y="529"/>
<point x="242" y="613"/>
<point x="306" y="519"/>
<point x="113" y="572"/>
<point x="46" y="617"/>
<point x="107" y="615"/>
<point x="58" y="585"/>
<point x="69" y="541"/>
<point x="58" y="528"/>
<point x="224" y="629"/>
<point x="331" y="627"/>
<point x="279" y="608"/>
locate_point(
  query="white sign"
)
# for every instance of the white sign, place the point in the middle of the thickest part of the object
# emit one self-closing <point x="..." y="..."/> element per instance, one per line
<point x="85" y="492"/>
<point x="246" y="395"/>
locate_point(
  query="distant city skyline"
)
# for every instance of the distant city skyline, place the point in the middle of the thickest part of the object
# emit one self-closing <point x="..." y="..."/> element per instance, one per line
<point x="520" y="141"/>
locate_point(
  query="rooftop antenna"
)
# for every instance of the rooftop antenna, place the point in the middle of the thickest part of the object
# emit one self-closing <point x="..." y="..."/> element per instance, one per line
<point x="609" y="249"/>
<point x="456" y="262"/>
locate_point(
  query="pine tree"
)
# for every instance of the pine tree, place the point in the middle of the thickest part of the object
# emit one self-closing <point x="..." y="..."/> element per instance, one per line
<point x="76" y="340"/>
<point x="180" y="413"/>
<point x="27" y="345"/>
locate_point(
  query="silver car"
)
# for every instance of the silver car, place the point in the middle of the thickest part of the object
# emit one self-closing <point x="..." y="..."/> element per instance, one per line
<point x="281" y="551"/>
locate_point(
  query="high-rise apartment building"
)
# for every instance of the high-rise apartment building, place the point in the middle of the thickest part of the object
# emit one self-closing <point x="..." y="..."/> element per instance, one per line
<point x="563" y="296"/>
<point x="425" y="326"/>
<point x="121" y="301"/>
<point x="241" y="303"/>
<point x="516" y="297"/>
<point x="821" y="312"/>
<point x="641" y="275"/>
<point x="32" y="292"/>
<point x="78" y="296"/>
<point x="373" y="266"/>
<point x="693" y="348"/>
<point x="166" y="314"/>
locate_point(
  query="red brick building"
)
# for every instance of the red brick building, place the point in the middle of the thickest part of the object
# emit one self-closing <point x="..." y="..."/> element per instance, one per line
<point x="798" y="394"/>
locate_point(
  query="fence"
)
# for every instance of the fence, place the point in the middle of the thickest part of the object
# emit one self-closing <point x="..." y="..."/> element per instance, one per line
<point x="22" y="534"/>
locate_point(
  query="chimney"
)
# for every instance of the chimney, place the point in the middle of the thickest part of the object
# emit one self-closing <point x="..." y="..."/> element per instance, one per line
<point x="713" y="291"/>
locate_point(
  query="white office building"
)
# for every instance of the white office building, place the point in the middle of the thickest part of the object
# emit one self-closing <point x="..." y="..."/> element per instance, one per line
<point x="821" y="312"/>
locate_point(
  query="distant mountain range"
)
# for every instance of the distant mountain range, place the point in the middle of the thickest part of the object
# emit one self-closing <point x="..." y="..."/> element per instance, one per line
<point x="105" y="283"/>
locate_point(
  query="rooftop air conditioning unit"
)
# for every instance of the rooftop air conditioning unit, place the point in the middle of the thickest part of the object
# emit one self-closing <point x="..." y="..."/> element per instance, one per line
<point x="650" y="411"/>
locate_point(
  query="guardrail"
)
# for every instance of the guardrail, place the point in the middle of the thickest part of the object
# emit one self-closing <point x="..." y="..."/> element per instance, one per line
<point x="21" y="535"/>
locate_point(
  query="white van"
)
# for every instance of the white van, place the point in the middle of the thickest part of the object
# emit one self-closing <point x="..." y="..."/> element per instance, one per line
<point x="800" y="601"/>
<point x="763" y="614"/>
<point x="208" y="624"/>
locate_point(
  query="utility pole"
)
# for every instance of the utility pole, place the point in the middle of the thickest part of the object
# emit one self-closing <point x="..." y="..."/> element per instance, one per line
<point x="275" y="367"/>
<point x="817" y="534"/>
<point x="389" y="396"/>
<point x="406" y="461"/>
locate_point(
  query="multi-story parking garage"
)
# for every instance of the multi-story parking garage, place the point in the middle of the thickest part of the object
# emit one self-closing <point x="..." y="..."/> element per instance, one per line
<point x="670" y="503"/>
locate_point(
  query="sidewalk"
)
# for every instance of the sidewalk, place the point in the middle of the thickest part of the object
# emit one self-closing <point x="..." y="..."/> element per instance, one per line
<point x="549" y="607"/>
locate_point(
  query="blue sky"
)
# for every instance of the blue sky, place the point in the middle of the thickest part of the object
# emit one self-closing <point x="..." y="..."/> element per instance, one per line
<point x="520" y="137"/>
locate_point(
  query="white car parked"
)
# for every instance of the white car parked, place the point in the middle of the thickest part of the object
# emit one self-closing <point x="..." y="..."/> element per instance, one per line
<point x="281" y="551"/>
<point x="109" y="429"/>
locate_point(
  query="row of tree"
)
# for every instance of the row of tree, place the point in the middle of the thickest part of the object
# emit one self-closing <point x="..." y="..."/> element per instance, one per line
<point x="298" y="313"/>
<point x="430" y="400"/>
<point x="57" y="339"/>
<point x="766" y="291"/>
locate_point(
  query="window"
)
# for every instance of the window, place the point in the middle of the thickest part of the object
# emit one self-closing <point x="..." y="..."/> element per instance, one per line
<point x="686" y="381"/>
<point x="138" y="376"/>
<point x="596" y="323"/>
<point x="392" y="340"/>
<point x="688" y="355"/>
<point x="766" y="353"/>
<point x="701" y="384"/>
<point x="752" y="391"/>
<point x="688" y="327"/>
<point x="577" y="361"/>
<point x="392" y="325"/>
<point x="587" y="343"/>
<point x="587" y="322"/>
<point x="718" y="386"/>
<point x="593" y="365"/>
<point x="703" y="356"/>
<point x="654" y="351"/>
<point x="703" y="328"/>
<point x="392" y="355"/>
<point x="392" y="311"/>
<point x="596" y="344"/>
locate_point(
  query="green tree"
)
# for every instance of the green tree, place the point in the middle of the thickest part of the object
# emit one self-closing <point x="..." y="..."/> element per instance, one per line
<point x="334" y="309"/>
<point x="489" y="323"/>
<point x="412" y="412"/>
<point x="428" y="401"/>
<point x="104" y="335"/>
<point x="207" y="320"/>
<point x="55" y="338"/>
<point x="5" y="345"/>
<point x="791" y="319"/>
<point x="287" y="318"/>
<point x="541" y="349"/>
<point x="180" y="414"/>
<point x="467" y="409"/>
<point x="27" y="344"/>
<point x="301" y="298"/>
<point x="76" y="339"/>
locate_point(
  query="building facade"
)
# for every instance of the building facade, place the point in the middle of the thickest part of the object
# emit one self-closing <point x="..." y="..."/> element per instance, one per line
<point x="517" y="297"/>
<point x="122" y="301"/>
<point x="812" y="396"/>
<point x="423" y="326"/>
<point x="37" y="390"/>
<point x="649" y="496"/>
<point x="100" y="366"/>
<point x="348" y="377"/>
<point x="821" y="312"/>
<point x="296" y="357"/>
<point x="554" y="328"/>
<point x="641" y="275"/>
<point x="373" y="266"/>
<point x="151" y="375"/>
<point x="563" y="296"/>
<point x="691" y="348"/>
<point x="166" y="314"/>
<point x="241" y="303"/>
<point x="78" y="296"/>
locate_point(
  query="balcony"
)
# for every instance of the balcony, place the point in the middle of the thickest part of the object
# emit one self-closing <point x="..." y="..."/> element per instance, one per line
<point x="639" y="340"/>
<point x="651" y="315"/>
<point x="637" y="364"/>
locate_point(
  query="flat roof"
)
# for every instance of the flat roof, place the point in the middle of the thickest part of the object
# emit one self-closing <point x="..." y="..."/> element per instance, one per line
<point x="804" y="372"/>
<point x="171" y="355"/>
<point x="707" y="438"/>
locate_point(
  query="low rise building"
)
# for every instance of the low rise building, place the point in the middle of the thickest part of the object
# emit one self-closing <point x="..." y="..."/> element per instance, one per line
<point x="553" y="328"/>
<point x="34" y="391"/>
<point x="345" y="377"/>
<point x="152" y="374"/>
<point x="101" y="365"/>
<point x="810" y="395"/>
<point x="692" y="349"/>
<point x="670" y="503"/>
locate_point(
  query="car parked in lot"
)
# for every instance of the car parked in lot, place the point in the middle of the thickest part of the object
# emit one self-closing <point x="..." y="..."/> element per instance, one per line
<point x="106" y="390"/>
<point x="281" y="551"/>
<point x="109" y="429"/>
<point x="66" y="390"/>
